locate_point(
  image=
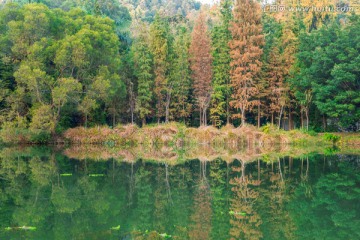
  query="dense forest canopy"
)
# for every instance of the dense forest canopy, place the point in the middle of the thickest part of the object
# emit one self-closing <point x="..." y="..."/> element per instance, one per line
<point x="83" y="63"/>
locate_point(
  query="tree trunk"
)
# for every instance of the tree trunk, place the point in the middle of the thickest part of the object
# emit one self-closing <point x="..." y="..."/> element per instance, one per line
<point x="324" y="122"/>
<point x="307" y="118"/>
<point x="143" y="122"/>
<point x="242" y="117"/>
<point x="281" y="112"/>
<point x="290" y="120"/>
<point x="167" y="113"/>
<point x="227" y="113"/>
<point x="258" y="115"/>
<point x="301" y="119"/>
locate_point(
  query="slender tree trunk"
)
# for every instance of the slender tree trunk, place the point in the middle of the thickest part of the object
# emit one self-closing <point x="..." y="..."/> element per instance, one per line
<point x="143" y="121"/>
<point x="280" y="115"/>
<point x="258" y="115"/>
<point x="324" y="122"/>
<point x="301" y="119"/>
<point x="307" y="118"/>
<point x="227" y="112"/>
<point x="272" y="118"/>
<point x="167" y="105"/>
<point x="290" y="119"/>
<point x="200" y="115"/>
<point x="242" y="117"/>
<point x="167" y="113"/>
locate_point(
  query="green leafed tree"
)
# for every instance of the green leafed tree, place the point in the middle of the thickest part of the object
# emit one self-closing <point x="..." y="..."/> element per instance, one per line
<point x="143" y="63"/>
<point x="221" y="36"/>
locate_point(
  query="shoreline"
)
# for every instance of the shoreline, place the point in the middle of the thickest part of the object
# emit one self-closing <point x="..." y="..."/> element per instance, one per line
<point x="176" y="134"/>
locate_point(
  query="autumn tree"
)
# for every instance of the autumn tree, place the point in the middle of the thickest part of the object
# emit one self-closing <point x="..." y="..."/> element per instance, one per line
<point x="201" y="61"/>
<point x="159" y="38"/>
<point x="245" y="51"/>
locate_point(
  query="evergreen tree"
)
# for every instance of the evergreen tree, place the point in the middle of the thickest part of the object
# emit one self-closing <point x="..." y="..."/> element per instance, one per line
<point x="180" y="76"/>
<point x="142" y="59"/>
<point x="159" y="37"/>
<point x="219" y="110"/>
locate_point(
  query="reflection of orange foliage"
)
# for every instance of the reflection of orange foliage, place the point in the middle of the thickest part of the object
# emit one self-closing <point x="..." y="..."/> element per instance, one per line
<point x="201" y="218"/>
<point x="245" y="221"/>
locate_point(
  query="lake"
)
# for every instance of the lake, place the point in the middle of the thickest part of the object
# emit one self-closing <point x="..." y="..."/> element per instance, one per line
<point x="77" y="194"/>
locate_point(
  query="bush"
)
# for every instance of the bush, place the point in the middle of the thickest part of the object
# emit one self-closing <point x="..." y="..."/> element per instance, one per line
<point x="331" y="137"/>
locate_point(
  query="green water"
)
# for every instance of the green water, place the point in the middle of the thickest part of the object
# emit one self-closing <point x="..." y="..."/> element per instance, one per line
<point x="313" y="197"/>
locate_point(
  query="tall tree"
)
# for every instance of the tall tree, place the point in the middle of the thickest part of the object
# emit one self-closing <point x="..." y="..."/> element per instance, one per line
<point x="180" y="75"/>
<point x="159" y="34"/>
<point x="221" y="36"/>
<point x="142" y="59"/>
<point x="246" y="43"/>
<point x="201" y="61"/>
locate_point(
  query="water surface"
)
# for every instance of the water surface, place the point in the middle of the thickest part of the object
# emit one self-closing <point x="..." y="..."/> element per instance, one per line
<point x="57" y="197"/>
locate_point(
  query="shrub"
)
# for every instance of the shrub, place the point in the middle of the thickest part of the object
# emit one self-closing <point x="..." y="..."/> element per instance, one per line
<point x="331" y="137"/>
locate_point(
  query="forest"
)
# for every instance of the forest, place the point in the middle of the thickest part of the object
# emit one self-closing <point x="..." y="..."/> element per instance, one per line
<point x="65" y="64"/>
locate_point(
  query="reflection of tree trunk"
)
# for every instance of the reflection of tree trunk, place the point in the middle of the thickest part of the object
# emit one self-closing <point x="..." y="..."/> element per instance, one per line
<point x="168" y="189"/>
<point x="131" y="185"/>
<point x="280" y="172"/>
<point x="307" y="166"/>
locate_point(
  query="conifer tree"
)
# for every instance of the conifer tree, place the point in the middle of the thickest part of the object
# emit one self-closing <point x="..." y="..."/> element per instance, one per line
<point x="221" y="36"/>
<point x="246" y="51"/>
<point x="143" y="70"/>
<point x="180" y="75"/>
<point x="201" y="61"/>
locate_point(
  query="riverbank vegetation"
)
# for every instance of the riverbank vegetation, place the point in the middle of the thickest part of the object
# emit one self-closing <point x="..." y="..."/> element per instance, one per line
<point x="68" y="67"/>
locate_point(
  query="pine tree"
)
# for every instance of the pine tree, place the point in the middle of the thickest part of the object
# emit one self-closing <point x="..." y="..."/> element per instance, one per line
<point x="143" y="70"/>
<point x="180" y="76"/>
<point x="201" y="61"/>
<point x="221" y="36"/>
<point x="246" y="43"/>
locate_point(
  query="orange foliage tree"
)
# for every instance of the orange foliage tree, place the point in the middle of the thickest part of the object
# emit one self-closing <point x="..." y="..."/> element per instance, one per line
<point x="245" y="51"/>
<point x="201" y="60"/>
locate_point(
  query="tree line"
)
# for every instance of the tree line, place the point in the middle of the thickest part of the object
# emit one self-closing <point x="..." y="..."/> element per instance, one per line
<point x="228" y="63"/>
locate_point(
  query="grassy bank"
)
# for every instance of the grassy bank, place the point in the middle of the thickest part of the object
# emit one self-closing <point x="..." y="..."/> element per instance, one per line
<point x="175" y="134"/>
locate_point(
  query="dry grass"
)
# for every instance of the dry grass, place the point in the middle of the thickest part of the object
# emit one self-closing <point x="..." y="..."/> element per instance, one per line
<point x="175" y="134"/>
